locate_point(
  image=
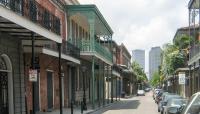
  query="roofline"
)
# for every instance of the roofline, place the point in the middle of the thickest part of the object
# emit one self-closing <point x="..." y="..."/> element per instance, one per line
<point x="126" y="49"/>
<point x="94" y="8"/>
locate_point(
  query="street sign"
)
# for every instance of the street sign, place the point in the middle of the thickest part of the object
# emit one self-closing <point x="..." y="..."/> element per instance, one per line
<point x="181" y="76"/>
<point x="32" y="75"/>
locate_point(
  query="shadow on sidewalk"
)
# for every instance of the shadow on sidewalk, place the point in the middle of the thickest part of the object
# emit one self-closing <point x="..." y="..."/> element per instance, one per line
<point x="121" y="105"/>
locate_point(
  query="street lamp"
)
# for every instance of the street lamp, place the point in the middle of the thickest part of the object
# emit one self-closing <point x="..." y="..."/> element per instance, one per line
<point x="84" y="68"/>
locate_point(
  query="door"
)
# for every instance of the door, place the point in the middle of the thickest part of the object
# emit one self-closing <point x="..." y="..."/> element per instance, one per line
<point x="37" y="94"/>
<point x="3" y="93"/>
<point x="50" y="90"/>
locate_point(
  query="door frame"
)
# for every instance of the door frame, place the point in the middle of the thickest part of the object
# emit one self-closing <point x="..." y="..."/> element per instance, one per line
<point x="10" y="83"/>
<point x="47" y="70"/>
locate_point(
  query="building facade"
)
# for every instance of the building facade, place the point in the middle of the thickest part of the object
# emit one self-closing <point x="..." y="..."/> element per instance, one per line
<point x="194" y="58"/>
<point x="139" y="57"/>
<point x="56" y="54"/>
<point x="154" y="60"/>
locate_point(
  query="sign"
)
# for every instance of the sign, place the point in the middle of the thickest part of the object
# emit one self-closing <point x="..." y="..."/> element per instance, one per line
<point x="181" y="76"/>
<point x="32" y="75"/>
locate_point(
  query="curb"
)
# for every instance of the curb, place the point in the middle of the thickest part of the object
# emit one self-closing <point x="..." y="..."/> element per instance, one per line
<point x="106" y="106"/>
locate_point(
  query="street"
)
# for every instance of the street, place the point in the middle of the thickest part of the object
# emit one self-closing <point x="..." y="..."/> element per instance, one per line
<point x="136" y="105"/>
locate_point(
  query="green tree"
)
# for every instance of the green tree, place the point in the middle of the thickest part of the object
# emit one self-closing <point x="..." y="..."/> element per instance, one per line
<point x="156" y="78"/>
<point x="141" y="76"/>
<point x="174" y="55"/>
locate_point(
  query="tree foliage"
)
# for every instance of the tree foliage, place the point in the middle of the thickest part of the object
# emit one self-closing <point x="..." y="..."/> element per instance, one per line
<point x="139" y="71"/>
<point x="156" y="78"/>
<point x="174" y="55"/>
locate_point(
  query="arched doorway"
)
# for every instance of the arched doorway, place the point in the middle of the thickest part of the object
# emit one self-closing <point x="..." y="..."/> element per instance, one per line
<point x="6" y="85"/>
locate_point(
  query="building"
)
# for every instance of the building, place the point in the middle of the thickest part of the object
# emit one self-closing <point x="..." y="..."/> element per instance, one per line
<point x="87" y="29"/>
<point x="128" y="77"/>
<point x="154" y="60"/>
<point x="139" y="57"/>
<point x="53" y="55"/>
<point x="194" y="53"/>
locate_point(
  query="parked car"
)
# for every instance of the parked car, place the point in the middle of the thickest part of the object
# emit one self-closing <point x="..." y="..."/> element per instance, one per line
<point x="147" y="89"/>
<point x="174" y="105"/>
<point x="164" y="101"/>
<point x="193" y="106"/>
<point x="160" y="96"/>
<point x="155" y="92"/>
<point x="140" y="93"/>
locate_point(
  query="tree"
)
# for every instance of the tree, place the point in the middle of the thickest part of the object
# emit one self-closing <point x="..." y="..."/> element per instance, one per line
<point x="174" y="55"/>
<point x="155" y="79"/>
<point x="140" y="74"/>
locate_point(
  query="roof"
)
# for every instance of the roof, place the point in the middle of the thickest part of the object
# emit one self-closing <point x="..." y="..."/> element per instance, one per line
<point x="124" y="47"/>
<point x="88" y="9"/>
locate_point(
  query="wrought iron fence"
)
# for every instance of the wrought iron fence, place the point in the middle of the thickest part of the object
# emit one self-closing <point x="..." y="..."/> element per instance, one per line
<point x="70" y="49"/>
<point x="88" y="46"/>
<point x="66" y="48"/>
<point x="194" y="50"/>
<point x="35" y="12"/>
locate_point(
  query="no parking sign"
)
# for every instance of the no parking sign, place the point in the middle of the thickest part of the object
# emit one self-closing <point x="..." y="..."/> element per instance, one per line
<point x="32" y="75"/>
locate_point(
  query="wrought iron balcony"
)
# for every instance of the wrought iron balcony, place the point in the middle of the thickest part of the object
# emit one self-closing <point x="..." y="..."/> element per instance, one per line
<point x="66" y="48"/>
<point x="34" y="12"/>
<point x="88" y="46"/>
<point x="194" y="50"/>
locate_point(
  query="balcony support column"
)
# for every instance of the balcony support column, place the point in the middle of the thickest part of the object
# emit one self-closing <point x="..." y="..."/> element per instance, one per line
<point x="93" y="89"/>
<point x="60" y="78"/>
<point x="199" y="77"/>
<point x="103" y="84"/>
<point x="33" y="67"/>
<point x="92" y="31"/>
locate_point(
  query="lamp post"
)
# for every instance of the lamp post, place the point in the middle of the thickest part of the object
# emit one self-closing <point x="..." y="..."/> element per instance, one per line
<point x="84" y="68"/>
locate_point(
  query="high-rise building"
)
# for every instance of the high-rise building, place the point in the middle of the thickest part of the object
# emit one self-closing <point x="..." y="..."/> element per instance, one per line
<point x="139" y="56"/>
<point x="154" y="60"/>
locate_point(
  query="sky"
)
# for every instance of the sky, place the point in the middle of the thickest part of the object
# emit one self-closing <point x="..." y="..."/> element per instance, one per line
<point x="142" y="24"/>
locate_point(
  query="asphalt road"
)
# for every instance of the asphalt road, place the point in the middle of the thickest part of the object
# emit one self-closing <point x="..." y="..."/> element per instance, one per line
<point x="136" y="105"/>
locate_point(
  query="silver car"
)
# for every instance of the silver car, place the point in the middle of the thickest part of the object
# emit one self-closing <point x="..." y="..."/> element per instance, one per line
<point x="174" y="105"/>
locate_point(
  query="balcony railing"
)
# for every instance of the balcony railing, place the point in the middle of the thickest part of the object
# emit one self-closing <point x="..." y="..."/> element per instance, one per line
<point x="34" y="12"/>
<point x="88" y="46"/>
<point x="194" y="50"/>
<point x="66" y="48"/>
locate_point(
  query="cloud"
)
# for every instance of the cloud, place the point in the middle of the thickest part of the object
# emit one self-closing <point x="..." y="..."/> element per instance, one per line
<point x="142" y="24"/>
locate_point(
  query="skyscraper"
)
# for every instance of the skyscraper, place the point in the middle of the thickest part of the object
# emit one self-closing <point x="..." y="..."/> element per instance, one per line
<point x="139" y="56"/>
<point x="154" y="60"/>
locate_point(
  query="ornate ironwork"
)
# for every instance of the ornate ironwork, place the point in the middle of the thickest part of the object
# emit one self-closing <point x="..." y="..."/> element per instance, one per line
<point x="2" y="64"/>
<point x="3" y="93"/>
<point x="35" y="12"/>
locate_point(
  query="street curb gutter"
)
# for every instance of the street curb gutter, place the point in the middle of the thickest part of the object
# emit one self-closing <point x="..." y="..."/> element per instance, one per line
<point x="106" y="106"/>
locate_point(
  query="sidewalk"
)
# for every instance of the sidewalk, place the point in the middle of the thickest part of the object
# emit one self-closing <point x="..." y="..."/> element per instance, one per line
<point x="78" y="110"/>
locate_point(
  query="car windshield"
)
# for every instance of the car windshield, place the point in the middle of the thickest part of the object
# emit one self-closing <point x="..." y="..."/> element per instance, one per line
<point x="177" y="102"/>
<point x="168" y="97"/>
<point x="194" y="106"/>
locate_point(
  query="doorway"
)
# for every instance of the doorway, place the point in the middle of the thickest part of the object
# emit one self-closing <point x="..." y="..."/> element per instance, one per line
<point x="6" y="86"/>
<point x="50" y="90"/>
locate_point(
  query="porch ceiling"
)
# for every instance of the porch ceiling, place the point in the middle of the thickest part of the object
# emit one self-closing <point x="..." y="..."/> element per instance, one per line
<point x="89" y="13"/>
<point x="18" y="26"/>
<point x="15" y="30"/>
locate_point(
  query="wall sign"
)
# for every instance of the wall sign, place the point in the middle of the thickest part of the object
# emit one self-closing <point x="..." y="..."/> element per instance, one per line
<point x="32" y="75"/>
<point x="181" y="76"/>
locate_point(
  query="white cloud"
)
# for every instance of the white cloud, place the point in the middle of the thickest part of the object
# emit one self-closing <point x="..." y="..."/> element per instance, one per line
<point x="141" y="24"/>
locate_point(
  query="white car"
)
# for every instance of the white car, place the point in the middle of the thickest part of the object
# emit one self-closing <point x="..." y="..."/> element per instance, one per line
<point x="140" y="93"/>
